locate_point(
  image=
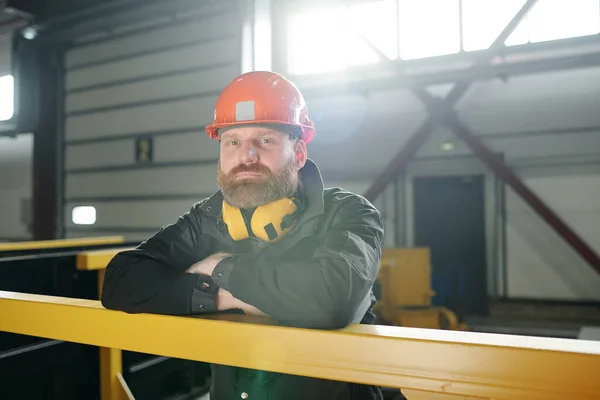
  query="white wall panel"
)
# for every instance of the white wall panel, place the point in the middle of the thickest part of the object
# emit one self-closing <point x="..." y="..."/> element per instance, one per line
<point x="549" y="146"/>
<point x="191" y="146"/>
<point x="161" y="81"/>
<point x="189" y="113"/>
<point x="204" y="81"/>
<point x="518" y="147"/>
<point x="138" y="214"/>
<point x="157" y="181"/>
<point x="540" y="263"/>
<point x="198" y="55"/>
<point x="12" y="225"/>
<point x="448" y="165"/>
<point x="102" y="154"/>
<point x="368" y="150"/>
<point x="184" y="147"/>
<point x="5" y="54"/>
<point x="16" y="157"/>
<point x="196" y="29"/>
<point x="563" y="99"/>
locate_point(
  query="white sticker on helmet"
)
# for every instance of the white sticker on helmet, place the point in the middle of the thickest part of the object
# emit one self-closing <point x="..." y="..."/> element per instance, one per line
<point x="244" y="111"/>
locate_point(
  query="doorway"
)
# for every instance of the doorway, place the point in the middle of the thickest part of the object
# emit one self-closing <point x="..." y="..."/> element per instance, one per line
<point x="449" y="218"/>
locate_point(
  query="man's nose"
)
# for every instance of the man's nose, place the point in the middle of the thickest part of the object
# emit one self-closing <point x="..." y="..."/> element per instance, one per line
<point x="247" y="153"/>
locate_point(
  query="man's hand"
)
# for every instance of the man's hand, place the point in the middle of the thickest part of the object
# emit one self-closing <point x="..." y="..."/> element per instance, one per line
<point x="207" y="266"/>
<point x="226" y="301"/>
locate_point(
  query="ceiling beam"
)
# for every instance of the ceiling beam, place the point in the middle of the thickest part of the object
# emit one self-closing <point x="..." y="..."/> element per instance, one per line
<point x="437" y="106"/>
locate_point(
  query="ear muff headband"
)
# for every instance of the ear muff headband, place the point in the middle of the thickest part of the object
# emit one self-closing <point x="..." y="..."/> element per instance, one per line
<point x="232" y="217"/>
<point x="269" y="222"/>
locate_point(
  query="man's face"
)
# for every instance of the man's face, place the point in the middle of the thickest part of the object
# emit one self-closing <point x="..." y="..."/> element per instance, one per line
<point x="258" y="165"/>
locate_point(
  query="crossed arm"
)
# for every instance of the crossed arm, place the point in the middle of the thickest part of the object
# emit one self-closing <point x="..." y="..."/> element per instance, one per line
<point x="163" y="275"/>
<point x="224" y="300"/>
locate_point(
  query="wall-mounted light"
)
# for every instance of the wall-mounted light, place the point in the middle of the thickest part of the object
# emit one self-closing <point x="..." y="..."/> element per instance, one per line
<point x="29" y="33"/>
<point x="83" y="215"/>
<point x="448" y="145"/>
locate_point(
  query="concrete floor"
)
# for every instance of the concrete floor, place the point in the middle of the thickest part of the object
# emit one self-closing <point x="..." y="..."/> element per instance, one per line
<point x="536" y="318"/>
<point x="523" y="326"/>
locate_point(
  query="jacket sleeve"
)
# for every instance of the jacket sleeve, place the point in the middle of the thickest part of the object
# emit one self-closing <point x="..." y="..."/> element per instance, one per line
<point x="152" y="277"/>
<point x="323" y="291"/>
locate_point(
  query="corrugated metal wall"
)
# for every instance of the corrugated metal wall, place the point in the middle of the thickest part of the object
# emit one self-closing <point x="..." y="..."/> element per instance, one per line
<point x="5" y="53"/>
<point x="540" y="264"/>
<point x="141" y="96"/>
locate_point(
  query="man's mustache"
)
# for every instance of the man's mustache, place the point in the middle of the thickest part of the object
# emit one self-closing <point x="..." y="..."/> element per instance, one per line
<point x="257" y="168"/>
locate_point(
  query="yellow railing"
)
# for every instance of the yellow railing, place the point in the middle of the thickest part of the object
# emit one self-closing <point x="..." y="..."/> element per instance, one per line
<point x="112" y="384"/>
<point x="61" y="243"/>
<point x="91" y="260"/>
<point x="422" y="361"/>
<point x="96" y="260"/>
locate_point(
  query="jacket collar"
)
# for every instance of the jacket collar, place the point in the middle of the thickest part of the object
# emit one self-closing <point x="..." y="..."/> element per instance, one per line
<point x="312" y="183"/>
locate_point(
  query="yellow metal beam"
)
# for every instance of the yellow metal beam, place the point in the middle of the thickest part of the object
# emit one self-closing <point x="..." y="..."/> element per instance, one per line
<point x="110" y="368"/>
<point x="96" y="259"/>
<point x="450" y="362"/>
<point x="112" y="383"/>
<point x="421" y="395"/>
<point x="61" y="243"/>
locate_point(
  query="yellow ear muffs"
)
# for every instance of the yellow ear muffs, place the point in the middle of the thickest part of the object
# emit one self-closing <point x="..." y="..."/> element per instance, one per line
<point x="236" y="226"/>
<point x="269" y="222"/>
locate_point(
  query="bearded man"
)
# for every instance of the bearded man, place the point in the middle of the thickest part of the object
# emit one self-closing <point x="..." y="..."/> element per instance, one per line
<point x="272" y="241"/>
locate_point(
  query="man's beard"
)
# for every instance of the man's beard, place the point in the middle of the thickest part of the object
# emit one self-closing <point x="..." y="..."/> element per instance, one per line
<point x="251" y="194"/>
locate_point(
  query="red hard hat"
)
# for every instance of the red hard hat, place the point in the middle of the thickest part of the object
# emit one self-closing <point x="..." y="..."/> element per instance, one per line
<point x="264" y="98"/>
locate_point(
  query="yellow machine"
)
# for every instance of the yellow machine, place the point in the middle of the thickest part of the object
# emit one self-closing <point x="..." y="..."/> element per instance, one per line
<point x="405" y="292"/>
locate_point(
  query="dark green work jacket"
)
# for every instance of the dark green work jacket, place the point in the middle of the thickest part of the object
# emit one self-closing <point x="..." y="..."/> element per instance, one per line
<point x="319" y="276"/>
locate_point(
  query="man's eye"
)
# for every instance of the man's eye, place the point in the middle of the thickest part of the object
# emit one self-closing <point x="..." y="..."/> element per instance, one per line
<point x="267" y="140"/>
<point x="232" y="142"/>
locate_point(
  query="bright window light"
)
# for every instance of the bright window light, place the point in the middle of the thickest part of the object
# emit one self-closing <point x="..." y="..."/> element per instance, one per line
<point x="332" y="38"/>
<point x="428" y="28"/>
<point x="558" y="19"/>
<point x="316" y="40"/>
<point x="376" y="22"/>
<point x="6" y="97"/>
<point x="483" y="20"/>
<point x="84" y="215"/>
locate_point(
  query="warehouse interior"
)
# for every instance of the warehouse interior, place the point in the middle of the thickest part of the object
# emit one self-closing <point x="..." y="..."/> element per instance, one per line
<point x="489" y="106"/>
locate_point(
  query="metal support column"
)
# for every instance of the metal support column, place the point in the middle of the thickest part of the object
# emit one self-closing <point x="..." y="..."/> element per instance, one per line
<point x="46" y="165"/>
